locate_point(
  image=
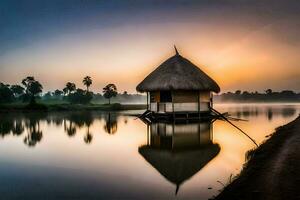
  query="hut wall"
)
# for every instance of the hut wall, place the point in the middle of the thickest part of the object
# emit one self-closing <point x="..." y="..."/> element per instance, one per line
<point x="179" y="107"/>
<point x="204" y="96"/>
<point x="153" y="107"/>
<point x="185" y="96"/>
<point x="155" y="96"/>
<point x="183" y="101"/>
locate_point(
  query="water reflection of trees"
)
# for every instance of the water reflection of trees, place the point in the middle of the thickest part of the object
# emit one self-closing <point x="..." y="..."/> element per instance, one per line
<point x="34" y="133"/>
<point x="269" y="112"/>
<point x="17" y="124"/>
<point x="111" y="125"/>
<point x="76" y="121"/>
<point x="72" y="122"/>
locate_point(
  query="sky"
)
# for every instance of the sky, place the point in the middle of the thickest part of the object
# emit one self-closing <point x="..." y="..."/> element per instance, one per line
<point x="242" y="44"/>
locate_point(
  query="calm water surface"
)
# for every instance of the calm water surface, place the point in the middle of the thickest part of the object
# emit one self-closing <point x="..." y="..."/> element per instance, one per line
<point x="112" y="155"/>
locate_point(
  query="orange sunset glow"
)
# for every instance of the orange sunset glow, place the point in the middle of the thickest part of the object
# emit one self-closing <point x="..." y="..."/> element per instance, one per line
<point x="239" y="50"/>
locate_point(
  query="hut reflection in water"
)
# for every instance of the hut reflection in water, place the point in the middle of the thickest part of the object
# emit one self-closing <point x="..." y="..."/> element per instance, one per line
<point x="179" y="151"/>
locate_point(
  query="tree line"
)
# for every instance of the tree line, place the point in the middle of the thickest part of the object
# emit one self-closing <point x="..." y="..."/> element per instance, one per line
<point x="267" y="96"/>
<point x="31" y="89"/>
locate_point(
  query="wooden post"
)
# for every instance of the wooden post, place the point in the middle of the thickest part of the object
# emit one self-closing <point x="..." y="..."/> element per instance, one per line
<point x="173" y="134"/>
<point x="211" y="131"/>
<point x="148" y="135"/>
<point x="199" y="104"/>
<point x="147" y="101"/>
<point x="173" y="105"/>
<point x="211" y="99"/>
<point x="199" y="133"/>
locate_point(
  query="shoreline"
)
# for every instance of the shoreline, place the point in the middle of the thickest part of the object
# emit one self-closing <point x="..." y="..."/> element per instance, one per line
<point x="70" y="107"/>
<point x="272" y="170"/>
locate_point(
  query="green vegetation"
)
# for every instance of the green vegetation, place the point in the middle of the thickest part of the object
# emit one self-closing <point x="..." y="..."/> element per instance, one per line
<point x="29" y="98"/>
<point x="32" y="89"/>
<point x="110" y="91"/>
<point x="87" y="81"/>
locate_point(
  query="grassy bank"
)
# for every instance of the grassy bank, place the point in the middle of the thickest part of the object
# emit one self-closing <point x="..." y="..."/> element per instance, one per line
<point x="272" y="170"/>
<point x="15" y="107"/>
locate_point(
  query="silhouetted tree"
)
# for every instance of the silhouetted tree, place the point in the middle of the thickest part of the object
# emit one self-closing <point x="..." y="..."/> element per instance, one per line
<point x="48" y="95"/>
<point x="6" y="95"/>
<point x="269" y="91"/>
<point x="80" y="97"/>
<point x="32" y="87"/>
<point x="268" y="96"/>
<point x="87" y="81"/>
<point x="238" y="92"/>
<point x="17" y="90"/>
<point x="70" y="87"/>
<point x="58" y="93"/>
<point x="110" y="91"/>
<point x="65" y="91"/>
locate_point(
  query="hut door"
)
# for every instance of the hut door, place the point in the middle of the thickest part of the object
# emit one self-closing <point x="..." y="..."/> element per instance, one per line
<point x="165" y="96"/>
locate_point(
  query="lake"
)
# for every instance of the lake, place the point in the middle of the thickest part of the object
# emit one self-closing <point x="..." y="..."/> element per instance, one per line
<point x="92" y="155"/>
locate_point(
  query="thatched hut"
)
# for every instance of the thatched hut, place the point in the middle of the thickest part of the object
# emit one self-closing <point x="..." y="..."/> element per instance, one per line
<point x="178" y="86"/>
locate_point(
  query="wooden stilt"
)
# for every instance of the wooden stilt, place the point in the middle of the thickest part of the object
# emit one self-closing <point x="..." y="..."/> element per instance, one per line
<point x="147" y="101"/>
<point x="199" y="104"/>
<point x="173" y="106"/>
<point x="148" y="143"/>
<point x="199" y="134"/>
<point x="173" y="134"/>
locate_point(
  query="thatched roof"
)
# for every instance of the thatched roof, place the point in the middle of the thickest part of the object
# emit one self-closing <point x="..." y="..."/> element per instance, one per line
<point x="177" y="167"/>
<point x="177" y="73"/>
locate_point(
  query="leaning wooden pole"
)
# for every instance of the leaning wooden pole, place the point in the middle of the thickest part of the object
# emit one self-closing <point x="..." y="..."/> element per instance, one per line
<point x="223" y="117"/>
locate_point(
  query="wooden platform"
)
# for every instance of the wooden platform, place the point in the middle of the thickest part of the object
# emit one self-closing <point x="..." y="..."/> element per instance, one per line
<point x="150" y="116"/>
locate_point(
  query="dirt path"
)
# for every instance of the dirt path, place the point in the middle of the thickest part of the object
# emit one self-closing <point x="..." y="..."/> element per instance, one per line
<point x="273" y="172"/>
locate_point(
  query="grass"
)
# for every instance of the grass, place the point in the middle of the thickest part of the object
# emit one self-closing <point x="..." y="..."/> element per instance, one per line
<point x="63" y="106"/>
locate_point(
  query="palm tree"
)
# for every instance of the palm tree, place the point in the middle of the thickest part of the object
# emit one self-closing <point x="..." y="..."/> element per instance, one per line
<point x="87" y="81"/>
<point x="70" y="87"/>
<point x="110" y="91"/>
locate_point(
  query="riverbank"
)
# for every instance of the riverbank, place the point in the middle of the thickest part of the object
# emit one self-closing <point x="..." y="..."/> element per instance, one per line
<point x="69" y="107"/>
<point x="272" y="171"/>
